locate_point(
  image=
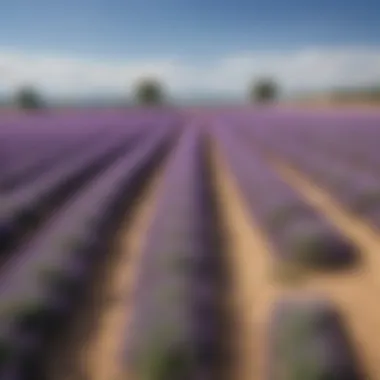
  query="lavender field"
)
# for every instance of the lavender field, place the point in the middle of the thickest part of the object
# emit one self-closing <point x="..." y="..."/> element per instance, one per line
<point x="190" y="244"/>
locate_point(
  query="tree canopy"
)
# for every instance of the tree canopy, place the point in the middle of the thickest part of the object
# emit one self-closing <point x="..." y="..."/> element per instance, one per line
<point x="149" y="92"/>
<point x="264" y="90"/>
<point x="28" y="98"/>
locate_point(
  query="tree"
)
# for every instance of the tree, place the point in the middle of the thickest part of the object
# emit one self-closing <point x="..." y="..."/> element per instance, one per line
<point x="149" y="92"/>
<point x="27" y="98"/>
<point x="264" y="90"/>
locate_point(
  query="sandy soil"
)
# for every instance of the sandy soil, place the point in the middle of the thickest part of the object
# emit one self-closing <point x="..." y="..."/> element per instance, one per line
<point x="105" y="348"/>
<point x="253" y="290"/>
<point x="94" y="353"/>
<point x="256" y="285"/>
<point x="357" y="291"/>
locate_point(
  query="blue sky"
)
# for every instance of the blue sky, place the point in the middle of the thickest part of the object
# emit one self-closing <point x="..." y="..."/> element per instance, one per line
<point x="191" y="32"/>
<point x="189" y="28"/>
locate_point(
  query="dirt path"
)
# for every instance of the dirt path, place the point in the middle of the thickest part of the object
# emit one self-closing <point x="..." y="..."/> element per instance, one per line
<point x="253" y="289"/>
<point x="356" y="292"/>
<point x="247" y="268"/>
<point x="106" y="347"/>
<point x="96" y="354"/>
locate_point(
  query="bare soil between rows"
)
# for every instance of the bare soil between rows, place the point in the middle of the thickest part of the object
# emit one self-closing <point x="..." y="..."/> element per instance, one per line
<point x="93" y="346"/>
<point x="93" y="353"/>
<point x="256" y="284"/>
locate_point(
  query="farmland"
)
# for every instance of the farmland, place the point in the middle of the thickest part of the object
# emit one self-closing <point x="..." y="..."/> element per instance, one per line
<point x="190" y="244"/>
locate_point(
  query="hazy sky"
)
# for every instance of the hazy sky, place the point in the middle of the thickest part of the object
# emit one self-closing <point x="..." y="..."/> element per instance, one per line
<point x="84" y="46"/>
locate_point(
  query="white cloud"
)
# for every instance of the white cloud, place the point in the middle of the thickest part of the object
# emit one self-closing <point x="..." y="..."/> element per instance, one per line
<point x="312" y="69"/>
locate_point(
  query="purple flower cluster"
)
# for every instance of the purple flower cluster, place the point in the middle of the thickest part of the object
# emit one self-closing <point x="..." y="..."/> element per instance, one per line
<point x="41" y="283"/>
<point x="297" y="231"/>
<point x="339" y="154"/>
<point x="175" y="321"/>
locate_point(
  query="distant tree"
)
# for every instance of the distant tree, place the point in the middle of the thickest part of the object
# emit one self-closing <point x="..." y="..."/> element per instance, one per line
<point x="27" y="98"/>
<point x="264" y="90"/>
<point x="149" y="92"/>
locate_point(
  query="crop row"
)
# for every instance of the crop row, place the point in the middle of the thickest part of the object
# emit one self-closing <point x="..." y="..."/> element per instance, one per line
<point x="30" y="145"/>
<point x="176" y="326"/>
<point x="308" y="341"/>
<point x="346" y="138"/>
<point x="307" y="337"/>
<point x="356" y="189"/>
<point x="296" y="230"/>
<point x="29" y="159"/>
<point x="42" y="282"/>
<point x="29" y="204"/>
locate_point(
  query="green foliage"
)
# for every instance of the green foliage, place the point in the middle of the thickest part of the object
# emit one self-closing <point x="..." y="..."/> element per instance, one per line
<point x="28" y="99"/>
<point x="6" y="350"/>
<point x="264" y="90"/>
<point x="282" y="215"/>
<point x="149" y="92"/>
<point x="295" y="337"/>
<point x="163" y="360"/>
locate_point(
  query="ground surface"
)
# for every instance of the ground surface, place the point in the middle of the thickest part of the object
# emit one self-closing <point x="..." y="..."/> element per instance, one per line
<point x="95" y="341"/>
<point x="256" y="284"/>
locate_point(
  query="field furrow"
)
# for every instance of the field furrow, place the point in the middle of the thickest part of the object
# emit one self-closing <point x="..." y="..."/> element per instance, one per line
<point x="203" y="244"/>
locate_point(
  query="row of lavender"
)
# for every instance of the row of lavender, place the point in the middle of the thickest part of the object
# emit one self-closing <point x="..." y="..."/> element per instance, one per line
<point x="82" y="199"/>
<point x="45" y="165"/>
<point x="31" y="145"/>
<point x="178" y="321"/>
<point x="308" y="341"/>
<point x="337" y="152"/>
<point x="297" y="231"/>
<point x="307" y="336"/>
<point x="30" y="204"/>
<point x="176" y="331"/>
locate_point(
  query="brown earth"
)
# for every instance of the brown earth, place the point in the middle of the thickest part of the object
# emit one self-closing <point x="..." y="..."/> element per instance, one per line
<point x="257" y="281"/>
<point x="105" y="348"/>
<point x="356" y="292"/>
<point x="256" y="284"/>
<point x="93" y="347"/>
